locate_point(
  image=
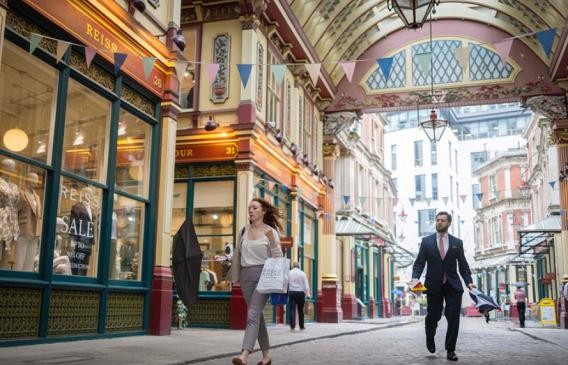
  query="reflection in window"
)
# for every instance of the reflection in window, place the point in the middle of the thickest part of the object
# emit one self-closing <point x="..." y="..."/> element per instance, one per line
<point x="213" y="220"/>
<point x="132" y="157"/>
<point x="21" y="211"/>
<point x="179" y="207"/>
<point x="78" y="225"/>
<point x="86" y="132"/>
<point x="126" y="239"/>
<point x="27" y="98"/>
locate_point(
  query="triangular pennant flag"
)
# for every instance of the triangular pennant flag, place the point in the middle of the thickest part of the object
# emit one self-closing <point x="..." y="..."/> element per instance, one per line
<point x="479" y="196"/>
<point x="424" y="61"/>
<point x="346" y="199"/>
<point x="180" y="67"/>
<point x="412" y="200"/>
<point x="90" y="53"/>
<point x="385" y="64"/>
<point x="244" y="72"/>
<point x="148" y="63"/>
<point x="362" y="200"/>
<point x="546" y="39"/>
<point x="34" y="41"/>
<point x="552" y="183"/>
<point x="327" y="216"/>
<point x="270" y="185"/>
<point x="212" y="69"/>
<point x="284" y="188"/>
<point x="428" y="200"/>
<point x="462" y="197"/>
<point x="314" y="71"/>
<point x="562" y="212"/>
<point x="119" y="59"/>
<point x="278" y="72"/>
<point x="349" y="69"/>
<point x="299" y="192"/>
<point x="62" y="47"/>
<point x="462" y="55"/>
<point x="503" y="48"/>
<point x="445" y="200"/>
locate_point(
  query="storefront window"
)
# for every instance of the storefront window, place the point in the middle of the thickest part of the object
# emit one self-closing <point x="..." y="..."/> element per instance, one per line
<point x="78" y="227"/>
<point x="28" y="91"/>
<point x="86" y="133"/>
<point x="126" y="239"/>
<point x="133" y="153"/>
<point x="213" y="220"/>
<point x="21" y="212"/>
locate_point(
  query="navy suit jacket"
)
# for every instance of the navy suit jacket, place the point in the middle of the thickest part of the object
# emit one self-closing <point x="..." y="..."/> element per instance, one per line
<point x="437" y="267"/>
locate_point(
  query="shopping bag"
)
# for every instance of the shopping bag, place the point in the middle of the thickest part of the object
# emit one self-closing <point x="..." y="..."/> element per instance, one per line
<point x="274" y="277"/>
<point x="278" y="299"/>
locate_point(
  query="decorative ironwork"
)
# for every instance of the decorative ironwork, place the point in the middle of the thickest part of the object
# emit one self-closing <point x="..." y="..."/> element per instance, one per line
<point x="485" y="64"/>
<point x="138" y="100"/>
<point x="552" y="107"/>
<point x="259" y="76"/>
<point x="94" y="72"/>
<point x="216" y="170"/>
<point x="125" y="312"/>
<point x="210" y="312"/>
<point x="221" y="55"/>
<point x="73" y="312"/>
<point x="181" y="172"/>
<point x="24" y="27"/>
<point x="19" y="312"/>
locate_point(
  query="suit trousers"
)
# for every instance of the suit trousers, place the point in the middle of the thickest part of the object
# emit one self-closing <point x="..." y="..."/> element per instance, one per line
<point x="26" y="250"/>
<point x="296" y="299"/>
<point x="256" y="327"/>
<point x="435" y="301"/>
<point x="521" y="307"/>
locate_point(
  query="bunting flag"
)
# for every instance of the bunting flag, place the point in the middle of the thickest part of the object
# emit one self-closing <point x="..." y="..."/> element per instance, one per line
<point x="428" y="200"/>
<point x="278" y="72"/>
<point x="148" y="63"/>
<point x="270" y="185"/>
<point x="34" y="41"/>
<point x="552" y="183"/>
<point x="314" y="71"/>
<point x="180" y="67"/>
<point x="327" y="216"/>
<point x="412" y="200"/>
<point x="349" y="69"/>
<point x="424" y="61"/>
<point x="385" y="64"/>
<point x="346" y="199"/>
<point x="445" y="200"/>
<point x="90" y="53"/>
<point x="479" y="196"/>
<point x="244" y="72"/>
<point x="212" y="69"/>
<point x="503" y="49"/>
<point x="284" y="188"/>
<point x="562" y="212"/>
<point x="61" y="49"/>
<point x="546" y="39"/>
<point x="362" y="200"/>
<point x="299" y="192"/>
<point x="119" y="59"/>
<point x="462" y="197"/>
<point x="462" y="55"/>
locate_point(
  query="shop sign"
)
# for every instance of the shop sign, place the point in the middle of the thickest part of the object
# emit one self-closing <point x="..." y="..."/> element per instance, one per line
<point x="550" y="276"/>
<point x="287" y="242"/>
<point x="206" y="152"/>
<point x="547" y="312"/>
<point x="76" y="20"/>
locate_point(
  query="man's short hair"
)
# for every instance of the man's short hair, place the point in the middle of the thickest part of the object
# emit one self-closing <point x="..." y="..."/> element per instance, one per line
<point x="296" y="264"/>
<point x="446" y="214"/>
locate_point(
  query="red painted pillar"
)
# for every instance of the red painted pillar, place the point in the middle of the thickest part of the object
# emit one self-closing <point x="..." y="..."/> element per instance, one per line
<point x="238" y="308"/>
<point x="372" y="307"/>
<point x="387" y="309"/>
<point x="161" y="302"/>
<point x="280" y="314"/>
<point x="329" y="302"/>
<point x="349" y="306"/>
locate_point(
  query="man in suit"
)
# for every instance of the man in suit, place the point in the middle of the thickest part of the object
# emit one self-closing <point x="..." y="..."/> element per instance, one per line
<point x="442" y="252"/>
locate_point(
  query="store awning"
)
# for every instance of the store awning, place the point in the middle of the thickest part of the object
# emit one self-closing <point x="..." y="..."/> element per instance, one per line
<point x="493" y="261"/>
<point x="402" y="257"/>
<point x="535" y="236"/>
<point x="350" y="226"/>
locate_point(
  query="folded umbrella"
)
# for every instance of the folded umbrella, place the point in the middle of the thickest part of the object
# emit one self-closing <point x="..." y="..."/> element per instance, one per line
<point x="484" y="303"/>
<point x="186" y="263"/>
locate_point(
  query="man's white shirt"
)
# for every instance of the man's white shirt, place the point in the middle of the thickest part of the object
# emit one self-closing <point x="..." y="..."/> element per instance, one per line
<point x="298" y="281"/>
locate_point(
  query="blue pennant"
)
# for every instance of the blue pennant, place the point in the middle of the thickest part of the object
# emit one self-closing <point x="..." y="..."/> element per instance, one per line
<point x="244" y="72"/>
<point x="546" y="39"/>
<point x="385" y="64"/>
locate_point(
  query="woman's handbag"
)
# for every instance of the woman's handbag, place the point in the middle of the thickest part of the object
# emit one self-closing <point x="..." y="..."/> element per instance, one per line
<point x="274" y="277"/>
<point x="278" y="299"/>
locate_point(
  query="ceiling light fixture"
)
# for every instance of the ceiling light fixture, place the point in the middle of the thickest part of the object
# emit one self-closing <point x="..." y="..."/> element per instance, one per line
<point x="413" y="13"/>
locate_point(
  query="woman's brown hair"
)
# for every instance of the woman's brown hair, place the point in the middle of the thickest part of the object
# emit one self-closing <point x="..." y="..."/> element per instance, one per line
<point x="271" y="214"/>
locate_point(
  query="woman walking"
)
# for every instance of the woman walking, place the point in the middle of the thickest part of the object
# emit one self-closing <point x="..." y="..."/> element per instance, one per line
<point x="256" y="242"/>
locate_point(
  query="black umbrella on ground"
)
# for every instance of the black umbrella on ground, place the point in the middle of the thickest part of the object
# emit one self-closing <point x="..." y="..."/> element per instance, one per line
<point x="484" y="303"/>
<point x="187" y="258"/>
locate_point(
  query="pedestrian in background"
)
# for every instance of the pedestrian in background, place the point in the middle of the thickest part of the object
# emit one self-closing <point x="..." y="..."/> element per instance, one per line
<point x="257" y="241"/>
<point x="520" y="299"/>
<point x="298" y="290"/>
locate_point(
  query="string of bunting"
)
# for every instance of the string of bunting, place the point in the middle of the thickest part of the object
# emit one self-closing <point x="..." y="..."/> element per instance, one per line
<point x="502" y="47"/>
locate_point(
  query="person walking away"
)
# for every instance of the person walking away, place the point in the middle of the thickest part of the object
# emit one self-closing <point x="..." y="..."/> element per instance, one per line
<point x="257" y="241"/>
<point x="443" y="253"/>
<point x="298" y="290"/>
<point x="520" y="299"/>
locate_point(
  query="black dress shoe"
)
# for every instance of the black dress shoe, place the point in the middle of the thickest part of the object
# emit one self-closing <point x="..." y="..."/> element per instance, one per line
<point x="452" y="356"/>
<point x="431" y="344"/>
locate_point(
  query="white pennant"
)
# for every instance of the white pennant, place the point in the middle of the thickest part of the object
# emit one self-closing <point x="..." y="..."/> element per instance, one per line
<point x="314" y="71"/>
<point x="62" y="47"/>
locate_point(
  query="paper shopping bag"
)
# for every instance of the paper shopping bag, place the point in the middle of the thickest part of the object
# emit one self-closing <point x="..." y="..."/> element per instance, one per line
<point x="274" y="277"/>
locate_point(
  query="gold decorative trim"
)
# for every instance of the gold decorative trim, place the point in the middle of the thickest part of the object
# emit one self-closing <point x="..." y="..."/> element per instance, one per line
<point x="20" y="312"/>
<point x="93" y="72"/>
<point x="559" y="136"/>
<point x="24" y="27"/>
<point x="138" y="100"/>
<point x="73" y="312"/>
<point x="217" y="170"/>
<point x="125" y="312"/>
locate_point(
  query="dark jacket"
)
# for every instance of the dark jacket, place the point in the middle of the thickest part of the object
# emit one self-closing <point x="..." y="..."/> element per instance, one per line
<point x="430" y="254"/>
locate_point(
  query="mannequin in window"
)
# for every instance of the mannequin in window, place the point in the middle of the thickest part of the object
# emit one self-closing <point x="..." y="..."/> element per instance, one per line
<point x="113" y="273"/>
<point x="81" y="233"/>
<point x="61" y="264"/>
<point x="29" y="220"/>
<point x="9" y="200"/>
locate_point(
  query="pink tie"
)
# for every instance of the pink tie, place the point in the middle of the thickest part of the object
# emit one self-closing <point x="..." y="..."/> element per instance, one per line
<point x="442" y="255"/>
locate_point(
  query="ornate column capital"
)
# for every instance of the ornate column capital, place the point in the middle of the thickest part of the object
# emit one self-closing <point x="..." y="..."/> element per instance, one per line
<point x="559" y="133"/>
<point x="330" y="150"/>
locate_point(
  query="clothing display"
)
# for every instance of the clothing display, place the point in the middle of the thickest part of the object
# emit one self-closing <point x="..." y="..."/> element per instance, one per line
<point x="113" y="273"/>
<point x="9" y="230"/>
<point x="81" y="234"/>
<point x="29" y="221"/>
<point x="127" y="252"/>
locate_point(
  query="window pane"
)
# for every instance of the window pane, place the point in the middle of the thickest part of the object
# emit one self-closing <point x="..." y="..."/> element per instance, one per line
<point x="78" y="222"/>
<point x="86" y="130"/>
<point x="27" y="98"/>
<point x="21" y="210"/>
<point x="179" y="207"/>
<point x="133" y="154"/>
<point x="126" y="239"/>
<point x="217" y="255"/>
<point x="213" y="207"/>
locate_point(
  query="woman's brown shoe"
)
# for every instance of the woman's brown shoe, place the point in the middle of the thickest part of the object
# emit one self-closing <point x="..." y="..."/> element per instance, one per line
<point x="238" y="361"/>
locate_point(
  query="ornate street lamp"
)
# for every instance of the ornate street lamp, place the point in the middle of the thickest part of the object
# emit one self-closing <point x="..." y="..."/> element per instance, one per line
<point x="211" y="124"/>
<point x="525" y="190"/>
<point x="434" y="127"/>
<point x="413" y="13"/>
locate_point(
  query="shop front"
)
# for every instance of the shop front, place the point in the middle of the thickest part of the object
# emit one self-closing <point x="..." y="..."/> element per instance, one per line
<point x="78" y="171"/>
